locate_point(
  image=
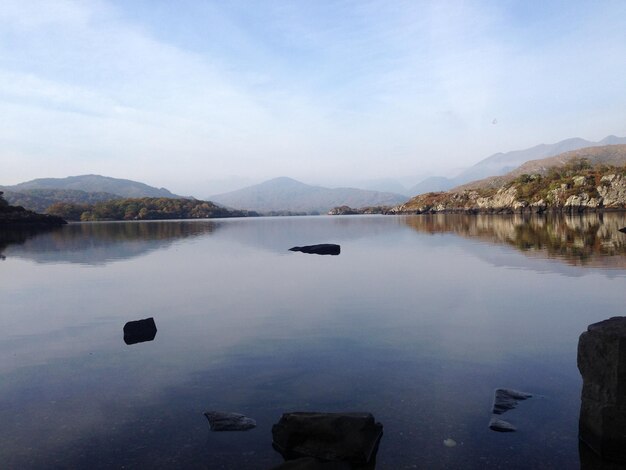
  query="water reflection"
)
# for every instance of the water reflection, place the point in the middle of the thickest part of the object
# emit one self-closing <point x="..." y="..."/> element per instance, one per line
<point x="18" y="235"/>
<point x="100" y="243"/>
<point x="580" y="240"/>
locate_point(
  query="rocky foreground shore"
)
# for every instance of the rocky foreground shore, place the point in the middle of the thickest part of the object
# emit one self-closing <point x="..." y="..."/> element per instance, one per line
<point x="589" y="191"/>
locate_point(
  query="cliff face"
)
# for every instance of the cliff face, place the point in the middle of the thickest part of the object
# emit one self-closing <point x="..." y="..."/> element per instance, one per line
<point x="588" y="190"/>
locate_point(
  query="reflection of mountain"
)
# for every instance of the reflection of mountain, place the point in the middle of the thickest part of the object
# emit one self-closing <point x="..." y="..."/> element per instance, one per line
<point x="588" y="240"/>
<point x="98" y="243"/>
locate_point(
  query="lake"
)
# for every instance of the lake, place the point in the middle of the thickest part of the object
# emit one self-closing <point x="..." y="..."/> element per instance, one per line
<point x="417" y="321"/>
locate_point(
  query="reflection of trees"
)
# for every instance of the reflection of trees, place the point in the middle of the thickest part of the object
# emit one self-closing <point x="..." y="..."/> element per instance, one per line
<point x="94" y="243"/>
<point x="17" y="235"/>
<point x="587" y="239"/>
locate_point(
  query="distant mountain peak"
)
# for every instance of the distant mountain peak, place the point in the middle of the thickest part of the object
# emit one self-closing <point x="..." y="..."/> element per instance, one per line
<point x="287" y="194"/>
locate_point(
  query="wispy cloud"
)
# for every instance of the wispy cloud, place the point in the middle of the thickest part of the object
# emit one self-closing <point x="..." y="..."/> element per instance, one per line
<point x="172" y="92"/>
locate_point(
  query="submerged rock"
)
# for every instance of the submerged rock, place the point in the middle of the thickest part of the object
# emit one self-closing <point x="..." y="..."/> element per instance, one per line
<point x="323" y="249"/>
<point x="506" y="399"/>
<point x="310" y="463"/>
<point x="352" y="438"/>
<point x="140" y="331"/>
<point x="222" y="421"/>
<point x="500" y="425"/>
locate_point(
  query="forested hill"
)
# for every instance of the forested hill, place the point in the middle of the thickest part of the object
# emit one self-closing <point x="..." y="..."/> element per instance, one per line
<point x="94" y="184"/>
<point x="144" y="209"/>
<point x="39" y="200"/>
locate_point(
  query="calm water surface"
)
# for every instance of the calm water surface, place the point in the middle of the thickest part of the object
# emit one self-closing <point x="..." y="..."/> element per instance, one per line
<point x="417" y="321"/>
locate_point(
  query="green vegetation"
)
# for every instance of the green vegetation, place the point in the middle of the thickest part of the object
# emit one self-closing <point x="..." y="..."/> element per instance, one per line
<point x="576" y="177"/>
<point x="144" y="209"/>
<point x="39" y="200"/>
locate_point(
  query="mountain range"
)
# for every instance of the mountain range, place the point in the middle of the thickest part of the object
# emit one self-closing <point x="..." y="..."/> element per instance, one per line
<point x="287" y="194"/>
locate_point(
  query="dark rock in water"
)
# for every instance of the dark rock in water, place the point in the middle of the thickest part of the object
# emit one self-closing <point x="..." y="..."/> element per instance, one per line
<point x="339" y="437"/>
<point x="507" y="399"/>
<point x="222" y="421"/>
<point x="140" y="331"/>
<point x="501" y="426"/>
<point x="602" y="364"/>
<point x="623" y="229"/>
<point x="309" y="463"/>
<point x="323" y="249"/>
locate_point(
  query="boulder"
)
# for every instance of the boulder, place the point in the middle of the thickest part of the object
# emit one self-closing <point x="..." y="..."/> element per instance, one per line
<point x="602" y="364"/>
<point x="140" y="331"/>
<point x="223" y="421"/>
<point x="351" y="438"/>
<point x="322" y="249"/>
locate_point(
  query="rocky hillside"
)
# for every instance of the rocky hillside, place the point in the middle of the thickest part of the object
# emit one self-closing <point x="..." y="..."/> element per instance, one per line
<point x="575" y="186"/>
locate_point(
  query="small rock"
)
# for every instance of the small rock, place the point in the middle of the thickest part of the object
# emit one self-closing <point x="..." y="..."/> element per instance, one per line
<point x="323" y="249"/>
<point x="449" y="442"/>
<point x="222" y="421"/>
<point x="501" y="426"/>
<point x="140" y="331"/>
<point x="507" y="399"/>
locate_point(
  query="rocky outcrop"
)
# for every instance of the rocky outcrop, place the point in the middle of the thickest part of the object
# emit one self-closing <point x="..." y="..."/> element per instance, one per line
<point x="602" y="364"/>
<point x="530" y="194"/>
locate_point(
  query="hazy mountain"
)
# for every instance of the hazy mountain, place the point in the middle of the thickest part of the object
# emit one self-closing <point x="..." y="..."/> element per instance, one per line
<point x="502" y="163"/>
<point x="286" y="194"/>
<point x="95" y="183"/>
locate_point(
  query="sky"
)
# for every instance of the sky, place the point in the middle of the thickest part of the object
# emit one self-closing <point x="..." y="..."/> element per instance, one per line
<point x="187" y="94"/>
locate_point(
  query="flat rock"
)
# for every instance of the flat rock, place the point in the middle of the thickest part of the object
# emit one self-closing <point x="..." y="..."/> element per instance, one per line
<point x="500" y="425"/>
<point x="341" y="437"/>
<point x="223" y="421"/>
<point x="140" y="331"/>
<point x="506" y="399"/>
<point x="323" y="249"/>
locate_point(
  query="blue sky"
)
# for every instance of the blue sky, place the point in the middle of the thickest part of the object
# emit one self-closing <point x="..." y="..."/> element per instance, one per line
<point x="182" y="94"/>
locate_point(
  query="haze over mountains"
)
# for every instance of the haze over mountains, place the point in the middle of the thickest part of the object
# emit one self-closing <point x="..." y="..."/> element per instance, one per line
<point x="501" y="163"/>
<point x="287" y="194"/>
